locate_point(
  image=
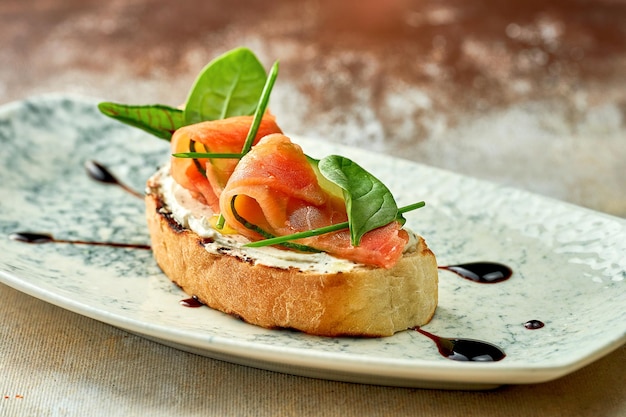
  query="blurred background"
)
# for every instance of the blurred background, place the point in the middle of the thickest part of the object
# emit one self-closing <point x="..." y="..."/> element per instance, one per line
<point x="528" y="93"/>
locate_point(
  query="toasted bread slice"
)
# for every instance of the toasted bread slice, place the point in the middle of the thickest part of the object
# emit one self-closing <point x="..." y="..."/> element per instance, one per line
<point x="362" y="301"/>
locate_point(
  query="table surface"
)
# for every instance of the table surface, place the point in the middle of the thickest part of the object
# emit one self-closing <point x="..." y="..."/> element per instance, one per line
<point x="521" y="93"/>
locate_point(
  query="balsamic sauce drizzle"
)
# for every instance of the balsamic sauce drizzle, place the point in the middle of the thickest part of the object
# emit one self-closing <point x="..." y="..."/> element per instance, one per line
<point x="481" y="272"/>
<point x="39" y="238"/>
<point x="97" y="172"/>
<point x="100" y="173"/>
<point x="464" y="350"/>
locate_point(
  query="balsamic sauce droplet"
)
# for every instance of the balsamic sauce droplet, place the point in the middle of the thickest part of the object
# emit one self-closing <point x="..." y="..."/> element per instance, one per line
<point x="481" y="272"/>
<point x="38" y="238"/>
<point x="534" y="324"/>
<point x="465" y="350"/>
<point x="191" y="302"/>
<point x="29" y="237"/>
<point x="100" y="173"/>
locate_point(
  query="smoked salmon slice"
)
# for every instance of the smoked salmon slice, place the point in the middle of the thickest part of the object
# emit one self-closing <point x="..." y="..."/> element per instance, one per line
<point x="276" y="189"/>
<point x="205" y="178"/>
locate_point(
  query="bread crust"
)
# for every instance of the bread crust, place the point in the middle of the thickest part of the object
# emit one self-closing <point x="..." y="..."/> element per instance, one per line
<point x="366" y="301"/>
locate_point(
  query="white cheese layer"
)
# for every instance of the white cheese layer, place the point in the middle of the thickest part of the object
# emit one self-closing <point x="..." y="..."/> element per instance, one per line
<point x="196" y="216"/>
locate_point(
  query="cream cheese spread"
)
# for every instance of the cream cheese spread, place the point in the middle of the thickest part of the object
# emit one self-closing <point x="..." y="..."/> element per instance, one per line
<point x="198" y="217"/>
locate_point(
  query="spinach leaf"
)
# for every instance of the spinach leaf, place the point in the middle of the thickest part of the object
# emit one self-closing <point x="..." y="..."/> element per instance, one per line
<point x="157" y="119"/>
<point x="230" y="85"/>
<point x="369" y="203"/>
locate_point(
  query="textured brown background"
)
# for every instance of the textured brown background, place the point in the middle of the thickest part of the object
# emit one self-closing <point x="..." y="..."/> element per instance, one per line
<point x="530" y="94"/>
<point x="526" y="93"/>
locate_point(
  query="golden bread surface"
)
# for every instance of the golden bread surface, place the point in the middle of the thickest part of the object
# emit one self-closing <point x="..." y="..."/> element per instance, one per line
<point x="365" y="301"/>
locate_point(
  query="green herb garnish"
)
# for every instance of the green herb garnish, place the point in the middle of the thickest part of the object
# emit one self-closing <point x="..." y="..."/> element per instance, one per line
<point x="236" y="84"/>
<point x="211" y="155"/>
<point x="261" y="107"/>
<point x="198" y="165"/>
<point x="268" y="236"/>
<point x="254" y="127"/>
<point x="228" y="86"/>
<point x="323" y="230"/>
<point x="157" y="119"/>
<point x="369" y="203"/>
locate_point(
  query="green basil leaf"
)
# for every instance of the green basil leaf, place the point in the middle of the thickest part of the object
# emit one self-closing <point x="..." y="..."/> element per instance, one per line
<point x="369" y="203"/>
<point x="230" y="85"/>
<point x="156" y="119"/>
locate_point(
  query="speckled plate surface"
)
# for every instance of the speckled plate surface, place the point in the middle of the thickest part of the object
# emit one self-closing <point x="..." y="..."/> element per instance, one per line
<point x="568" y="262"/>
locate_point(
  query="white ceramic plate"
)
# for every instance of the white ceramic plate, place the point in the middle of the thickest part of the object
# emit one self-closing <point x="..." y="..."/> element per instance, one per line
<point x="568" y="262"/>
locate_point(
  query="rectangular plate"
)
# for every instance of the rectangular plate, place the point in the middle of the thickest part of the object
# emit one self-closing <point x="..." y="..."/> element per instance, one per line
<point x="568" y="262"/>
